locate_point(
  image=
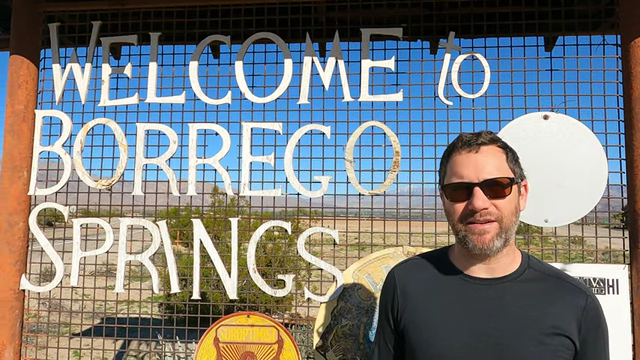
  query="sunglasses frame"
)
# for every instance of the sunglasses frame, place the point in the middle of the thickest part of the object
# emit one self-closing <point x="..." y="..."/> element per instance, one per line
<point x="473" y="185"/>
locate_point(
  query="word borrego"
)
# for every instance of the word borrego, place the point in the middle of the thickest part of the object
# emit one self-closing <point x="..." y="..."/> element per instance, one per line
<point x="160" y="237"/>
<point x="247" y="157"/>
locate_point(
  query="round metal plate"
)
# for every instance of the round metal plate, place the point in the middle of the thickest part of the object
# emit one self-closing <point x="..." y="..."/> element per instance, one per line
<point x="346" y="326"/>
<point x="565" y="166"/>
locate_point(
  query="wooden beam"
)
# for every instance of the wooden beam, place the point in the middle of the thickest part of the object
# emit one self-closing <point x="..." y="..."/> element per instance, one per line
<point x="148" y="4"/>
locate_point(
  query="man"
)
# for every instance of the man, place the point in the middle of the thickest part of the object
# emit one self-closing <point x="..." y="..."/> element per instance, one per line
<point x="482" y="298"/>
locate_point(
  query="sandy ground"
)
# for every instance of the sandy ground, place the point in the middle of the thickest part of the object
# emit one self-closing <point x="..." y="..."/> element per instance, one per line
<point x="91" y="321"/>
<point x="604" y="238"/>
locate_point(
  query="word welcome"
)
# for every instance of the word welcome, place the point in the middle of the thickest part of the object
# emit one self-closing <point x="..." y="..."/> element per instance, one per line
<point x="82" y="77"/>
<point x="160" y="235"/>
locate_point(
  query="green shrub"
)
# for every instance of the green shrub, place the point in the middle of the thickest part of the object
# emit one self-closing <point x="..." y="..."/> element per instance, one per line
<point x="621" y="218"/>
<point x="276" y="254"/>
<point x="526" y="229"/>
<point x="50" y="217"/>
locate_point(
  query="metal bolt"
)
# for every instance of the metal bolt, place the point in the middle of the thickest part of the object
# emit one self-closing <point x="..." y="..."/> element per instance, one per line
<point x="545" y="117"/>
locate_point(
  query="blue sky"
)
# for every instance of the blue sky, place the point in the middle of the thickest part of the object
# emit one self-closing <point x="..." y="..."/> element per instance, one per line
<point x="579" y="78"/>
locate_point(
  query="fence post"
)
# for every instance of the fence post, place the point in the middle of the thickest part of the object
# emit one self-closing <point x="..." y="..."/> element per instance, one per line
<point x="22" y="92"/>
<point x="630" y="36"/>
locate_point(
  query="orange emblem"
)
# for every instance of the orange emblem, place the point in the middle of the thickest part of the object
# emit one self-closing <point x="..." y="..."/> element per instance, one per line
<point x="247" y="336"/>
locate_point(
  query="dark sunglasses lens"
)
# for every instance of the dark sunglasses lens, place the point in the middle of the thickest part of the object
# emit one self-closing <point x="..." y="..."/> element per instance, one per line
<point x="457" y="192"/>
<point x="497" y="188"/>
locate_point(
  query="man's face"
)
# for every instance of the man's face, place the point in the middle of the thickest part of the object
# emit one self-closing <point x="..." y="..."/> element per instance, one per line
<point x="481" y="225"/>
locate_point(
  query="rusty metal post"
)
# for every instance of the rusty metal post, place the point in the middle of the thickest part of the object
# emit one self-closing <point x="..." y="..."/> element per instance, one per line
<point x="22" y="91"/>
<point x="630" y="35"/>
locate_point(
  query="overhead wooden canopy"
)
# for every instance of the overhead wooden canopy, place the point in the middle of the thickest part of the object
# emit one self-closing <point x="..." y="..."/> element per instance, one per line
<point x="420" y="19"/>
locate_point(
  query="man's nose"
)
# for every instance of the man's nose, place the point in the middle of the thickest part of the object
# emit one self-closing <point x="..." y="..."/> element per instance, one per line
<point x="478" y="200"/>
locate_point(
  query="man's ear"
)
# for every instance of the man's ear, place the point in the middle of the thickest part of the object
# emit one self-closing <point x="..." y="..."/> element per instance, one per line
<point x="523" y="193"/>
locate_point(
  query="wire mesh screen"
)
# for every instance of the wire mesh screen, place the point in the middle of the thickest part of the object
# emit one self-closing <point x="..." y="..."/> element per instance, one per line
<point x="561" y="58"/>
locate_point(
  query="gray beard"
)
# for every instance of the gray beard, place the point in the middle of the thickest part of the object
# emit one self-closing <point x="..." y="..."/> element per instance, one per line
<point x="503" y="238"/>
<point x="490" y="249"/>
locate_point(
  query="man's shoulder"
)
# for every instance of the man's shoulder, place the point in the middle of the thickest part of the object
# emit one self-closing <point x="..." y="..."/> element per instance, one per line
<point x="558" y="278"/>
<point x="431" y="259"/>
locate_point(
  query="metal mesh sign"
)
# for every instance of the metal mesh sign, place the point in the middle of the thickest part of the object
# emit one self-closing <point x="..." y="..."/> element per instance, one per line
<point x="187" y="168"/>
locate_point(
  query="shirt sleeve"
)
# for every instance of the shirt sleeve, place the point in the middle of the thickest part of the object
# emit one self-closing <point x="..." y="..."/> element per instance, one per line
<point x="594" y="335"/>
<point x="388" y="341"/>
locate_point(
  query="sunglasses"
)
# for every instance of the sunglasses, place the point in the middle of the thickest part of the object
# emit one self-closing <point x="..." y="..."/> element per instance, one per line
<point x="496" y="188"/>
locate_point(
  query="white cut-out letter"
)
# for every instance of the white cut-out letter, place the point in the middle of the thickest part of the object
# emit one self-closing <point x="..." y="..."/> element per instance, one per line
<point x="168" y="254"/>
<point x="143" y="257"/>
<point x="319" y="263"/>
<point x="288" y="68"/>
<point x="366" y="64"/>
<point x="456" y="68"/>
<point x="230" y="281"/>
<point x="38" y="148"/>
<point x="107" y="71"/>
<point x="253" y="268"/>
<point x="77" y="253"/>
<point x="247" y="159"/>
<point x="214" y="161"/>
<point x="152" y="78"/>
<point x="395" y="164"/>
<point x="288" y="162"/>
<point x="160" y="161"/>
<point x="445" y="65"/>
<point x="47" y="247"/>
<point x="81" y="78"/>
<point x="326" y="73"/>
<point x="78" y="147"/>
<point x="193" y="70"/>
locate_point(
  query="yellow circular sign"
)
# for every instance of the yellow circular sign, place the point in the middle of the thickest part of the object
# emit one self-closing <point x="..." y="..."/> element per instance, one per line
<point x="247" y="336"/>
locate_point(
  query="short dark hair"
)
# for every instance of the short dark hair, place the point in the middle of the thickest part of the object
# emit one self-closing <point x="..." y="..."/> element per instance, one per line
<point x="472" y="142"/>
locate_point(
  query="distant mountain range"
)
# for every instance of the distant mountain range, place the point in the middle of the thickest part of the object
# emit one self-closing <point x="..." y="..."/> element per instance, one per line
<point x="412" y="200"/>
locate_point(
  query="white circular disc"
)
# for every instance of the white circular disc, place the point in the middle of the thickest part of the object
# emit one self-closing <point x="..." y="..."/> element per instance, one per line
<point x="564" y="163"/>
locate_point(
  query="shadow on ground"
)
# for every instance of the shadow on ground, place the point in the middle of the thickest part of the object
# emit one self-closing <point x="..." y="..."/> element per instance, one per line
<point x="140" y="329"/>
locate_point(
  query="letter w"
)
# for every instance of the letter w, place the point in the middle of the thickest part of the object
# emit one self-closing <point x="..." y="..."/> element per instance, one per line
<point x="82" y="78"/>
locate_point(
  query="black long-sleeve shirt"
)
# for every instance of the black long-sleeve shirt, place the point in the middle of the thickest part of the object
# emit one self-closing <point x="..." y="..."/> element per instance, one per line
<point x="431" y="310"/>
